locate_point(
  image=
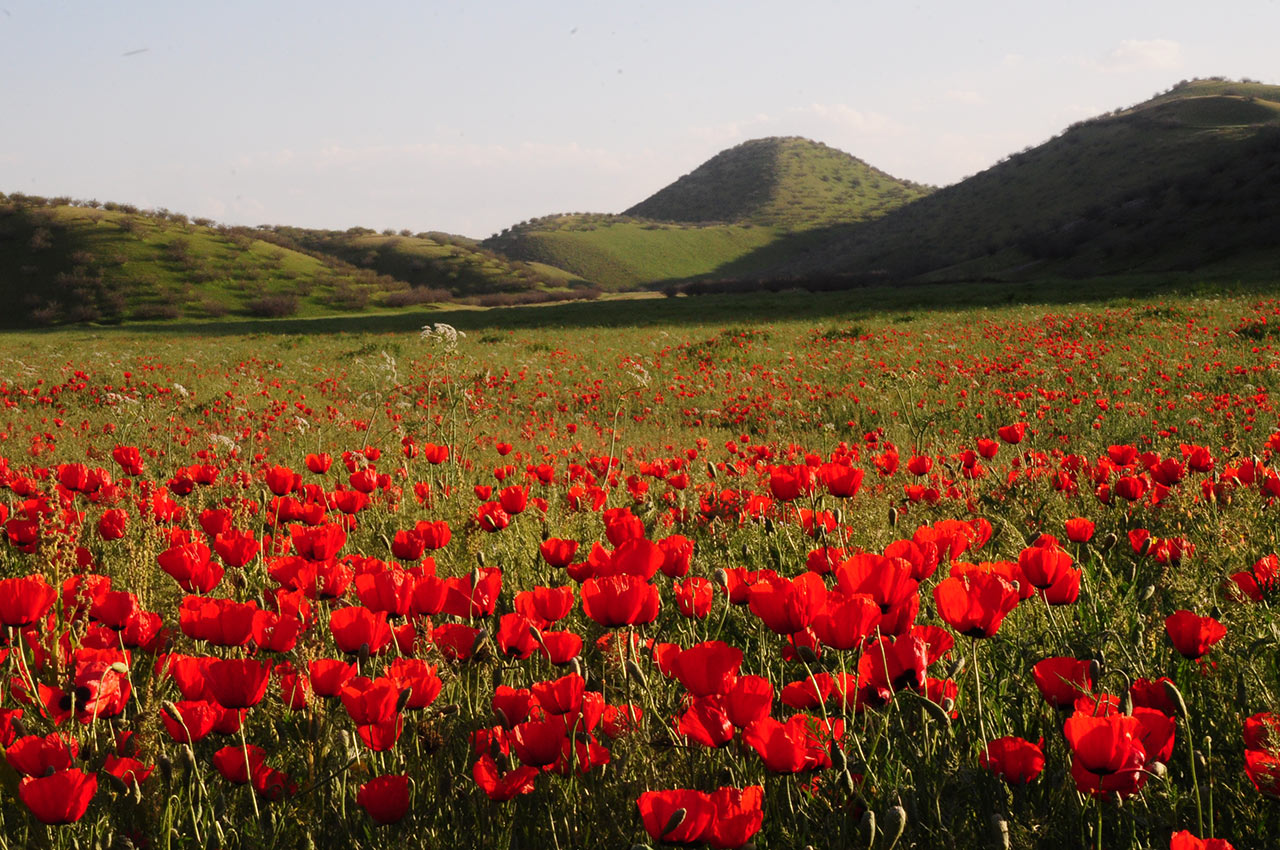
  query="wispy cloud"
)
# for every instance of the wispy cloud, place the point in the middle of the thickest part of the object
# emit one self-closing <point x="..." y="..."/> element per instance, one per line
<point x="1156" y="54"/>
<point x="966" y="96"/>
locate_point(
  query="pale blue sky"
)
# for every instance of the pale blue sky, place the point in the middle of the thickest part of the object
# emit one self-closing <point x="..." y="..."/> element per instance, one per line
<point x="470" y="116"/>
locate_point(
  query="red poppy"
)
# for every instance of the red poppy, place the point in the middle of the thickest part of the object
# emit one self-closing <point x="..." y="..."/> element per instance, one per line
<point x="557" y="552"/>
<point x="677" y="816"/>
<point x="1079" y="530"/>
<point x="354" y="627"/>
<point x="739" y="816"/>
<point x="1062" y="680"/>
<point x="788" y="606"/>
<point x="499" y="786"/>
<point x="620" y="600"/>
<point x="1192" y="635"/>
<point x="694" y="596"/>
<point x="975" y="604"/>
<point x="801" y="743"/>
<point x="385" y="798"/>
<point x="537" y="743"/>
<point x="1107" y="753"/>
<point x="236" y="683"/>
<point x="25" y="601"/>
<point x="1013" y="433"/>
<point x="1015" y="760"/>
<point x="749" y="699"/>
<point x="59" y="798"/>
<point x="1044" y="563"/>
<point x="1184" y="840"/>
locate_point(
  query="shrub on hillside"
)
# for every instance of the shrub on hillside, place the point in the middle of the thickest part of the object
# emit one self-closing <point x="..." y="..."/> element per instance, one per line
<point x="273" y="306"/>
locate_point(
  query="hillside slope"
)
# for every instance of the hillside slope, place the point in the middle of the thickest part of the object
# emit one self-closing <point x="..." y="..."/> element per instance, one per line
<point x="1188" y="180"/>
<point x="66" y="262"/>
<point x="723" y="218"/>
<point x="787" y="182"/>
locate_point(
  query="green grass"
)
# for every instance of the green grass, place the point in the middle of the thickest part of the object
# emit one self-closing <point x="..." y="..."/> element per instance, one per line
<point x="1185" y="181"/>
<point x="791" y="183"/>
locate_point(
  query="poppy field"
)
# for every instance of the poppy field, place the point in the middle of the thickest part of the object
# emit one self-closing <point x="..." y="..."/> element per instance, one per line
<point x="988" y="578"/>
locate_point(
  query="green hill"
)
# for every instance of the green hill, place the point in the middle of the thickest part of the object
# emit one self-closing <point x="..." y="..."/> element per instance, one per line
<point x="790" y="183"/>
<point x="86" y="262"/>
<point x="724" y="218"/>
<point x="1187" y="181"/>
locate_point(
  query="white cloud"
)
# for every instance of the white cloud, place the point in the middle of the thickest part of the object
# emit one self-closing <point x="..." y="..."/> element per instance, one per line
<point x="966" y="96"/>
<point x="1157" y="54"/>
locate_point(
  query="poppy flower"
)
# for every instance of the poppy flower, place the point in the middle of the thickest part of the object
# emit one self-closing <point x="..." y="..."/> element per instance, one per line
<point x="34" y="755"/>
<point x="1079" y="530"/>
<point x="889" y="581"/>
<point x="975" y="604"/>
<point x="545" y="605"/>
<point x="739" y="814"/>
<point x="354" y="627"/>
<point x="537" y="743"/>
<point x="1015" y="760"/>
<point x="747" y="700"/>
<point x="1184" y="840"/>
<point x="677" y="816"/>
<point x="1263" y="770"/>
<point x="1106" y="753"/>
<point x="801" y="743"/>
<point x="498" y="786"/>
<point x="1043" y="563"/>
<point x="620" y="600"/>
<point x="787" y="606"/>
<point x="1192" y="635"/>
<point x="1062" y="679"/>
<point x="237" y="683"/>
<point x="385" y="798"/>
<point x="558" y="553"/>
<point x="24" y="601"/>
<point x="706" y="722"/>
<point x="59" y="798"/>
<point x="1013" y="433"/>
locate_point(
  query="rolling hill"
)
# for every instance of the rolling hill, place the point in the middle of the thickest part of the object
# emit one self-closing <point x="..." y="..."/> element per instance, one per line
<point x="87" y="262"/>
<point x="1187" y="181"/>
<point x="733" y="207"/>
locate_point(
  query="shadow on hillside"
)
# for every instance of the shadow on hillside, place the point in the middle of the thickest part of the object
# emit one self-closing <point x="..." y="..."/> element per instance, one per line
<point x="736" y="308"/>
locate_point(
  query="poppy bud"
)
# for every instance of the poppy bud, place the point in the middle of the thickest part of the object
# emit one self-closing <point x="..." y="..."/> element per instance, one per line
<point x="895" y="821"/>
<point x="188" y="757"/>
<point x="867" y="827"/>
<point x="166" y="768"/>
<point x="447" y="709"/>
<point x="475" y="575"/>
<point x="768" y="528"/>
<point x="363" y="653"/>
<point x="1126" y="704"/>
<point x="722" y="577"/>
<point x="1095" y="670"/>
<point x="1147" y="592"/>
<point x="119" y="667"/>
<point x="634" y="671"/>
<point x="1202" y="764"/>
<point x="1175" y="696"/>
<point x="711" y="470"/>
<point x="955" y="668"/>
<point x="1158" y="768"/>
<point x="575" y="666"/>
<point x="935" y="711"/>
<point x="677" y="818"/>
<point x="806" y="654"/>
<point x="481" y="637"/>
<point x="503" y="720"/>
<point x="403" y="699"/>
<point x="546" y="534"/>
<point x="116" y="783"/>
<point x="1109" y="541"/>
<point x="1001" y="828"/>
<point x="893" y="517"/>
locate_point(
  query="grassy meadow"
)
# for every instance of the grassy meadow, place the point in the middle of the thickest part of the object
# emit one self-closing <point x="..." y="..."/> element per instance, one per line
<point x="781" y="570"/>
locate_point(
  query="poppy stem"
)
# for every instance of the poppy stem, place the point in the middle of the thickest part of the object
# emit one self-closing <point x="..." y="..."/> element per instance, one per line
<point x="977" y="685"/>
<point x="248" y="769"/>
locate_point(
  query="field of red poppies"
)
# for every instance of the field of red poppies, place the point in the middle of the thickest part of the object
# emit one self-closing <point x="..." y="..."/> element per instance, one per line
<point x="958" y="579"/>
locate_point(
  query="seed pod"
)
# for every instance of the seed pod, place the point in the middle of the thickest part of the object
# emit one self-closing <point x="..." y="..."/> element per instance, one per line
<point x="768" y="526"/>
<point x="1109" y="541"/>
<point x="1001" y="828"/>
<point x="363" y="654"/>
<point x="935" y="711"/>
<point x="1126" y="704"/>
<point x="895" y="821"/>
<point x="546" y="534"/>
<point x="116" y="783"/>
<point x="166" y="768"/>
<point x="119" y="667"/>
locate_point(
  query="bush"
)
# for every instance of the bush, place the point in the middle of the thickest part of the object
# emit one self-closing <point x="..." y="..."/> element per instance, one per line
<point x="273" y="306"/>
<point x="417" y="295"/>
